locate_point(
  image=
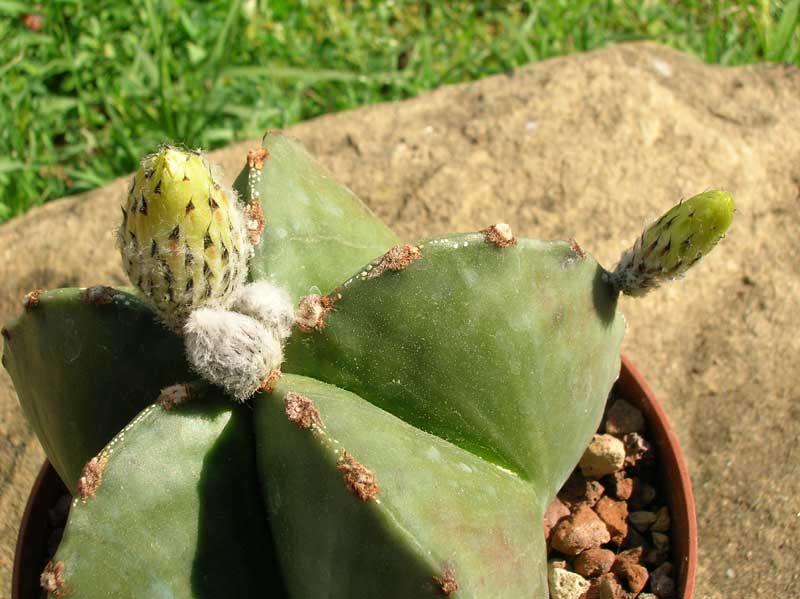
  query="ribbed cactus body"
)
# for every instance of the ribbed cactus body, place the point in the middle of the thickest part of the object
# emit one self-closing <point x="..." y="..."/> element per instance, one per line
<point x="393" y="511"/>
<point x="182" y="237"/>
<point x="432" y="403"/>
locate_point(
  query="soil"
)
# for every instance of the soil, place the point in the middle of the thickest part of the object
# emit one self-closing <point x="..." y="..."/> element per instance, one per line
<point x="589" y="146"/>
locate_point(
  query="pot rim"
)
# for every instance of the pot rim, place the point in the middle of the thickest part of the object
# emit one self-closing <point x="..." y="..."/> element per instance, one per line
<point x="46" y="472"/>
<point x="672" y="460"/>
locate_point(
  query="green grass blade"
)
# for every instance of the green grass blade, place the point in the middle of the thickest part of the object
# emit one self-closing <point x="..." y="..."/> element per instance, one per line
<point x="778" y="39"/>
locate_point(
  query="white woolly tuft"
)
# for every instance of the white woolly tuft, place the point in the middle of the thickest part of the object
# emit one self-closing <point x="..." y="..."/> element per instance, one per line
<point x="231" y="350"/>
<point x="269" y="304"/>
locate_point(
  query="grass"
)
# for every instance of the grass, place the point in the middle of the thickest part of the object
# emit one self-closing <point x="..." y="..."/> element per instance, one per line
<point x="102" y="83"/>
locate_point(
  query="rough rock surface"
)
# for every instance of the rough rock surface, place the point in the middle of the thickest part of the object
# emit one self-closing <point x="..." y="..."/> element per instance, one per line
<point x="589" y="146"/>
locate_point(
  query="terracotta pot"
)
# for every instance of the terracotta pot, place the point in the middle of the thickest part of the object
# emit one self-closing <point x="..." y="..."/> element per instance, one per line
<point x="30" y="556"/>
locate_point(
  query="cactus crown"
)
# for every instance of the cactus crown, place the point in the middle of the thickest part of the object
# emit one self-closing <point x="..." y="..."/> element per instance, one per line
<point x="433" y="399"/>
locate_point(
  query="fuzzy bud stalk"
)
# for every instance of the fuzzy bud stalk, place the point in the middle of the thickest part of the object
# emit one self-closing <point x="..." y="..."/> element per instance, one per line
<point x="674" y="243"/>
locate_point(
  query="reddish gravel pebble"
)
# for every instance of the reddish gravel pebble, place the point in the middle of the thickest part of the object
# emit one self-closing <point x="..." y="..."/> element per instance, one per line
<point x="614" y="514"/>
<point x="633" y="555"/>
<point x="594" y="562"/>
<point x="636" y="448"/>
<point x="579" y="491"/>
<point x="634" y="575"/>
<point x="610" y="588"/>
<point x="555" y="512"/>
<point x="620" y="485"/>
<point x="582" y="530"/>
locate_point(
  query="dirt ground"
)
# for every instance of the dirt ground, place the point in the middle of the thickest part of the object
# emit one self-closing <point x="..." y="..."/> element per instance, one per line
<point x="589" y="146"/>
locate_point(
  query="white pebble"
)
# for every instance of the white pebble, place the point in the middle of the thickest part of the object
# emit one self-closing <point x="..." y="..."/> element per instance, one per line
<point x="565" y="584"/>
<point x="605" y="455"/>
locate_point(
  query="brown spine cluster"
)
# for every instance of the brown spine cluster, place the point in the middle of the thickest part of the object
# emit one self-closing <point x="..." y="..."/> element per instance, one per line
<point x="358" y="478"/>
<point x="52" y="580"/>
<point x="447" y="583"/>
<point x="268" y="386"/>
<point x="257" y="157"/>
<point x="99" y="295"/>
<point x="32" y="299"/>
<point x="175" y="395"/>
<point x="91" y="477"/>
<point x="311" y="312"/>
<point x="500" y="235"/>
<point x="577" y="248"/>
<point x="301" y="411"/>
<point x="254" y="222"/>
<point x="397" y="258"/>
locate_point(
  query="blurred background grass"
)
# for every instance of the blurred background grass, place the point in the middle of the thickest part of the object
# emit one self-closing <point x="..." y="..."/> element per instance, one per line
<point x="88" y="86"/>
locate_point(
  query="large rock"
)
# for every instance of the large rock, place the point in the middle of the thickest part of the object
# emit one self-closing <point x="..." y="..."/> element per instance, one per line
<point x="589" y="146"/>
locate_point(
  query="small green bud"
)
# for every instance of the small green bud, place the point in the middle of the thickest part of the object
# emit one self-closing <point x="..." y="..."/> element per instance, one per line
<point x="674" y="243"/>
<point x="182" y="238"/>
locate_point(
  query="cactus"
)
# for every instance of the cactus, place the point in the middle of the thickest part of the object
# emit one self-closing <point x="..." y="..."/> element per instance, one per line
<point x="410" y="421"/>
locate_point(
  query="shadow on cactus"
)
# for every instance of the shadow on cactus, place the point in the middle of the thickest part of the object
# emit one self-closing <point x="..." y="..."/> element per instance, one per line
<point x="407" y="418"/>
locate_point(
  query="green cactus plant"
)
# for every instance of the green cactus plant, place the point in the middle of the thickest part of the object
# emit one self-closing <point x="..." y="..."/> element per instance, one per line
<point x="432" y="399"/>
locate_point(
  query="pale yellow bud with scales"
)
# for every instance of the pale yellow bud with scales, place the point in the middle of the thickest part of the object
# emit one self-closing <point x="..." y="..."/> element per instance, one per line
<point x="183" y="237"/>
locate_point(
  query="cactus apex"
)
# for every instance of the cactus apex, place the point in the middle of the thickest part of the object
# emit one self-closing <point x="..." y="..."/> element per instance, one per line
<point x="269" y="304"/>
<point x="52" y="580"/>
<point x="674" y="243"/>
<point x="500" y="235"/>
<point x="92" y="476"/>
<point x="234" y="351"/>
<point x="301" y="411"/>
<point x="32" y="299"/>
<point x="358" y="478"/>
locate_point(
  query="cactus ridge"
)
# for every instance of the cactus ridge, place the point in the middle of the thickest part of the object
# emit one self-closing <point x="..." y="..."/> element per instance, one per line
<point x="368" y="506"/>
<point x="84" y="362"/>
<point x="317" y="231"/>
<point x="161" y="519"/>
